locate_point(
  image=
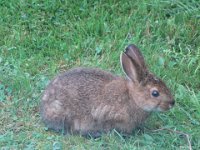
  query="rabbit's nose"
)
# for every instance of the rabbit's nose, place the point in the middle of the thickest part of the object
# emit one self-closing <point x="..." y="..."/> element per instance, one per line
<point x="171" y="104"/>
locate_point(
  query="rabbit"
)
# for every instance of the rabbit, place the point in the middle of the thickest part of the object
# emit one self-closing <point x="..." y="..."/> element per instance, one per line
<point x="90" y="101"/>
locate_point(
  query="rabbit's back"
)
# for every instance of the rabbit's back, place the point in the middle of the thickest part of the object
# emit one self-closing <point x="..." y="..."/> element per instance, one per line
<point x="72" y="95"/>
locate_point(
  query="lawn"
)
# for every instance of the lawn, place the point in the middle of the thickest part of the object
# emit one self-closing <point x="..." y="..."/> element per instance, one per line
<point x="39" y="39"/>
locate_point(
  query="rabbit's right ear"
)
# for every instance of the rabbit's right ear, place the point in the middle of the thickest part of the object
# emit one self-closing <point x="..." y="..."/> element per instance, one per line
<point x="131" y="68"/>
<point x="134" y="53"/>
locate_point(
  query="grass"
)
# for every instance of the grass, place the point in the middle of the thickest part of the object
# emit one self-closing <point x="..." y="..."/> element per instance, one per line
<point x="39" y="39"/>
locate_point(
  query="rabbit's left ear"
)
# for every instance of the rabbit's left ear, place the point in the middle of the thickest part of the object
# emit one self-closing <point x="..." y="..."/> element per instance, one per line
<point x="131" y="68"/>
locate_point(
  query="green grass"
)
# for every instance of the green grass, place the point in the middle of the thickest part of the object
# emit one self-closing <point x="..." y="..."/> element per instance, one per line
<point x="39" y="39"/>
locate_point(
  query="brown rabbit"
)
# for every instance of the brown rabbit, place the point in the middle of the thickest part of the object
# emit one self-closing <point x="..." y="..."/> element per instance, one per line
<point x="92" y="101"/>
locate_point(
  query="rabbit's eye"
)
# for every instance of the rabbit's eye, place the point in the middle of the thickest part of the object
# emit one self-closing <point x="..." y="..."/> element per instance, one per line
<point x="155" y="93"/>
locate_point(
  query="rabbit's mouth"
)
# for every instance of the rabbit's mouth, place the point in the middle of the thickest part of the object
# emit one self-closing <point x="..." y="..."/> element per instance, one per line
<point x="164" y="106"/>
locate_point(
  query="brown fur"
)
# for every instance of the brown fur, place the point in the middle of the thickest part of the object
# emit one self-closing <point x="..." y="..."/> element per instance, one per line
<point x="86" y="100"/>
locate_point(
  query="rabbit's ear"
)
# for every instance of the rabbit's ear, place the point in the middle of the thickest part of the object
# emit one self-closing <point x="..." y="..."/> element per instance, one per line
<point x="134" y="53"/>
<point x="131" y="68"/>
